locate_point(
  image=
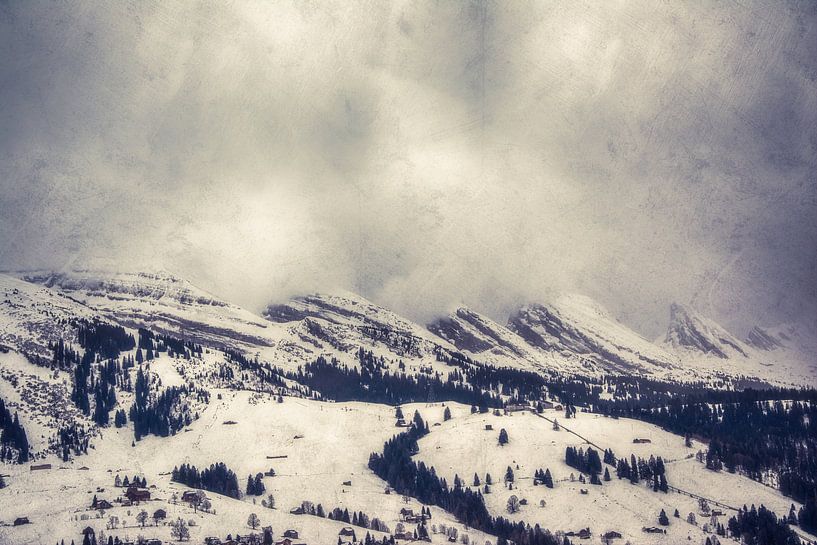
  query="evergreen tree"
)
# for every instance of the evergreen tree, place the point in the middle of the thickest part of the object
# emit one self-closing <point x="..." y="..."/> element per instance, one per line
<point x="548" y="479"/>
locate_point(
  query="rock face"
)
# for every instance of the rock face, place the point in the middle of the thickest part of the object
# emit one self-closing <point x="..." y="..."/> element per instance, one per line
<point x="577" y="325"/>
<point x="139" y="285"/>
<point x="471" y="332"/>
<point x="763" y="339"/>
<point x="689" y="330"/>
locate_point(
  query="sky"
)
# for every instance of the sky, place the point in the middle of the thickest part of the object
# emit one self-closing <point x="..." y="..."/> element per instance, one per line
<point x="423" y="154"/>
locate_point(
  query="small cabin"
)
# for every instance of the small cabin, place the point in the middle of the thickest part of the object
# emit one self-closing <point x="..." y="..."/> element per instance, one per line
<point x="19" y="521"/>
<point x="103" y="505"/>
<point x="137" y="494"/>
<point x="489" y="427"/>
<point x="653" y="530"/>
<point x="612" y="534"/>
<point x="193" y="496"/>
<point x="516" y="408"/>
<point x="40" y="467"/>
<point x="639" y="440"/>
<point x="347" y="483"/>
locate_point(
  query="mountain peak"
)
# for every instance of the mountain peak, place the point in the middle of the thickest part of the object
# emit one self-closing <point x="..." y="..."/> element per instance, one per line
<point x="691" y="330"/>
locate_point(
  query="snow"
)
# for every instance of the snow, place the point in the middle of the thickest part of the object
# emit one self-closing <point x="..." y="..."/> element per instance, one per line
<point x="462" y="446"/>
<point x="336" y="440"/>
<point x="325" y="443"/>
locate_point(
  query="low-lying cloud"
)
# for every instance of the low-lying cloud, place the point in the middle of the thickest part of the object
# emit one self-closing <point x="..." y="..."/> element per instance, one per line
<point x="423" y="154"/>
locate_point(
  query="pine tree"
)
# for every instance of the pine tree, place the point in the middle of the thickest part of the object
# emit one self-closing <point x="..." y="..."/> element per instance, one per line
<point x="548" y="479"/>
<point x="503" y="437"/>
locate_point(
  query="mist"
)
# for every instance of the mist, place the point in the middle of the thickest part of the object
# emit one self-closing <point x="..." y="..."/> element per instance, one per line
<point x="423" y="154"/>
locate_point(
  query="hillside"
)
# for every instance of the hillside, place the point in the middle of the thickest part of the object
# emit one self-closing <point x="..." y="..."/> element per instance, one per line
<point x="135" y="374"/>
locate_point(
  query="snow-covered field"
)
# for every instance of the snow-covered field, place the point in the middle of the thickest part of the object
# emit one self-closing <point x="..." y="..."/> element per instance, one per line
<point x="326" y="444"/>
<point x="463" y="446"/>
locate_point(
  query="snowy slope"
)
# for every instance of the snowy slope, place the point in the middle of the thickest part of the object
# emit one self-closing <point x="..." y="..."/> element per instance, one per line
<point x="578" y="327"/>
<point x="781" y="355"/>
<point x="690" y="330"/>
<point x="318" y="447"/>
<point x="31" y="316"/>
<point x="162" y="302"/>
<point x="462" y="446"/>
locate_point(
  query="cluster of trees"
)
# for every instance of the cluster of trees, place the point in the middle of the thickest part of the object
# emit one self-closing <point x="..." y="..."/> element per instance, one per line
<point x="405" y="476"/>
<point x="517" y="385"/>
<point x="141" y="482"/>
<point x="73" y="438"/>
<point x="761" y="526"/>
<point x="356" y="518"/>
<point x="255" y="485"/>
<point x="165" y="414"/>
<point x="807" y="516"/>
<point x="652" y="470"/>
<point x="372" y="382"/>
<point x="103" y="339"/>
<point x="153" y="343"/>
<point x="543" y="477"/>
<point x="14" y="445"/>
<point x="218" y="478"/>
<point x="587" y="462"/>
<point x="752" y="431"/>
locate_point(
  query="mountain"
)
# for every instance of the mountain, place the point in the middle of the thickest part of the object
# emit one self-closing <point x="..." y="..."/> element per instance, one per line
<point x="691" y="331"/>
<point x="578" y="327"/>
<point x="763" y="339"/>
<point x="483" y="339"/>
<point x="216" y="375"/>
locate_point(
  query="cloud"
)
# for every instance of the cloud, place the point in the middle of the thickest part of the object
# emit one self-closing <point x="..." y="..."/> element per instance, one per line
<point x="423" y="154"/>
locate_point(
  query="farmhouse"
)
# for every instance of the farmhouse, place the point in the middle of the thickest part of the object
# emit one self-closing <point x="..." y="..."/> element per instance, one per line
<point x="103" y="505"/>
<point x="193" y="496"/>
<point x="653" y="530"/>
<point x="137" y="494"/>
<point x="516" y="408"/>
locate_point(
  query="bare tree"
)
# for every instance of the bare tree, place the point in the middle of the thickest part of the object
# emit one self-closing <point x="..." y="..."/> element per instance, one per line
<point x="142" y="517"/>
<point x="513" y="504"/>
<point x="178" y="530"/>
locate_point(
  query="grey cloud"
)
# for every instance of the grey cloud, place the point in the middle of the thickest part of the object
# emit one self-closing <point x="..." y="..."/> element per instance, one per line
<point x="424" y="154"/>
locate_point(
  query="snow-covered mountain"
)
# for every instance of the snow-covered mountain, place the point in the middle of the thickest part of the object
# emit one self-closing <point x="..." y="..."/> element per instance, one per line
<point x="483" y="339"/>
<point x="577" y="326"/>
<point x="572" y="334"/>
<point x="690" y="330"/>
<point x="320" y="450"/>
